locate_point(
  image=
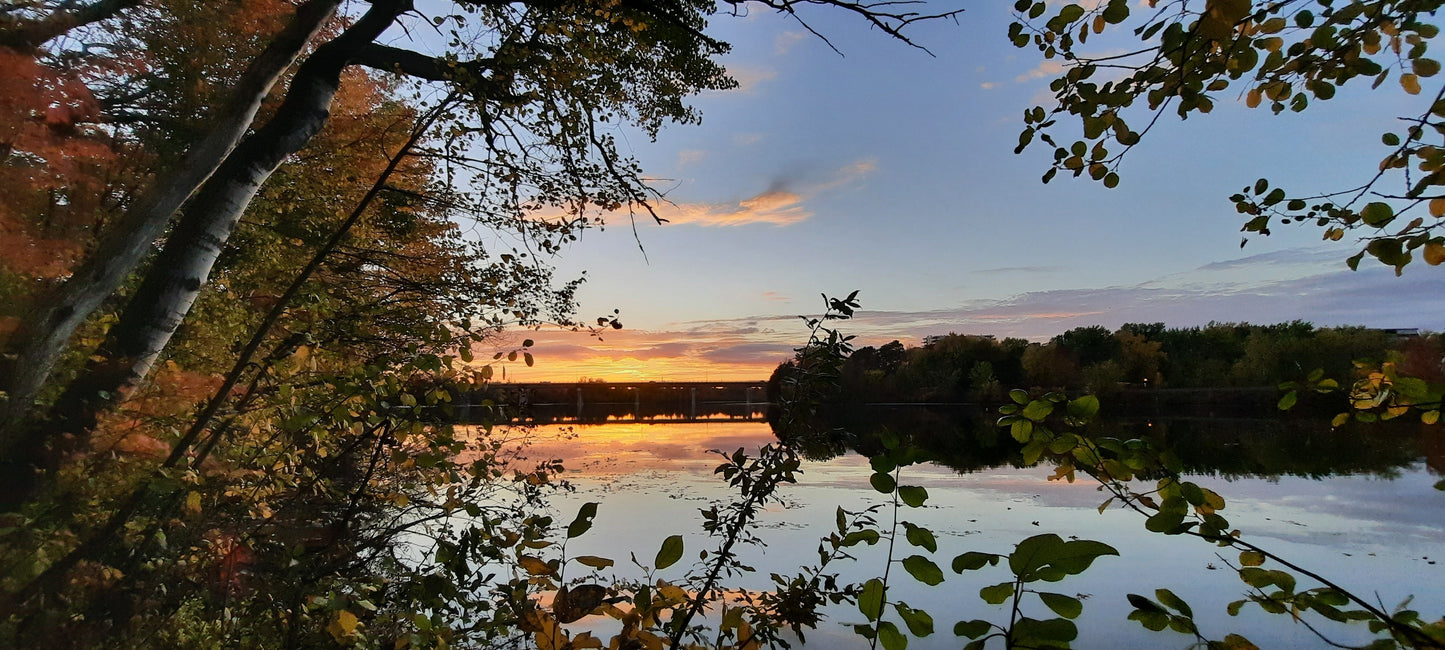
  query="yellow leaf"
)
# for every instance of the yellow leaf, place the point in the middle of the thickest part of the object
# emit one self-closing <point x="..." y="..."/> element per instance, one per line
<point x="586" y="640"/>
<point x="1434" y="253"/>
<point x="193" y="502"/>
<point x="672" y="593"/>
<point x="535" y="566"/>
<point x="1410" y="83"/>
<point x="1437" y="207"/>
<point x="1253" y="97"/>
<point x="343" y="626"/>
<point x="1430" y="417"/>
<point x="1220" y="17"/>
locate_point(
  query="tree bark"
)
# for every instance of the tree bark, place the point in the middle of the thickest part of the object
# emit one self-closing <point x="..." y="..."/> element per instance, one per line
<point x="34" y="350"/>
<point x="26" y="35"/>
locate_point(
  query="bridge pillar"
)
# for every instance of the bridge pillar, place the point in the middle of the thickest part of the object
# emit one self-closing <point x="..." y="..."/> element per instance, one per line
<point x="694" y="403"/>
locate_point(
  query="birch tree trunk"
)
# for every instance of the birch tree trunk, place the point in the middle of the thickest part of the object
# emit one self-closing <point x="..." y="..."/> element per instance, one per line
<point x="43" y="337"/>
<point x="175" y="278"/>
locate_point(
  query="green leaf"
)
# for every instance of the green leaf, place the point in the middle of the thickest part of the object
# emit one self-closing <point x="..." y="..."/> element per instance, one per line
<point x="1174" y="602"/>
<point x="1053" y="632"/>
<point x="1033" y="553"/>
<point x="882" y="482"/>
<point x="923" y="570"/>
<point x="1049" y="551"/>
<point x="919" y="622"/>
<point x="1251" y="558"/>
<point x="997" y="594"/>
<point x="973" y="560"/>
<point x="971" y="629"/>
<point x="594" y="561"/>
<point x="890" y="637"/>
<point x="1065" y="606"/>
<point x="1021" y="430"/>
<point x="1085" y="407"/>
<point x="1288" y="401"/>
<point x="1144" y="604"/>
<point x="920" y="537"/>
<point x="583" y="521"/>
<point x="1038" y="410"/>
<point x="670" y="552"/>
<point x="870" y="600"/>
<point x="869" y="537"/>
<point x="1153" y="620"/>
<point x="1377" y="214"/>
<point x="912" y="495"/>
<point x="1019" y="396"/>
<point x="1165" y="521"/>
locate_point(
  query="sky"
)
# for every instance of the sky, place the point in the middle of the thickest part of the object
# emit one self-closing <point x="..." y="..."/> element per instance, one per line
<point x="889" y="170"/>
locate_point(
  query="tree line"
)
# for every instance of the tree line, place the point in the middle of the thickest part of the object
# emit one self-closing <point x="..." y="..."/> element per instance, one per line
<point x="975" y="368"/>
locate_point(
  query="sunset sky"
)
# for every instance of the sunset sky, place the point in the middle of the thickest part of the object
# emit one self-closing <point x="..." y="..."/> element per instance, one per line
<point x="891" y="172"/>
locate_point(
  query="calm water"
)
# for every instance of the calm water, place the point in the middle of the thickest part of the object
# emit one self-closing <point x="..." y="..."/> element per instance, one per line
<point x="1366" y="517"/>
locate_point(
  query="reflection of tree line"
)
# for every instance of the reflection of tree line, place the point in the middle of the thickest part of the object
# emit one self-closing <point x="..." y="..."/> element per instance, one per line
<point x="1217" y="357"/>
<point x="968" y="440"/>
<point x="600" y="402"/>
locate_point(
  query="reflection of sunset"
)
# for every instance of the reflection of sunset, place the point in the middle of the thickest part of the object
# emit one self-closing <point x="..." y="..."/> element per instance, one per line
<point x="624" y="448"/>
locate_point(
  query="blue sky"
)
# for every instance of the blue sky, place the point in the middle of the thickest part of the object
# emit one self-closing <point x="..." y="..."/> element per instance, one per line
<point x="892" y="172"/>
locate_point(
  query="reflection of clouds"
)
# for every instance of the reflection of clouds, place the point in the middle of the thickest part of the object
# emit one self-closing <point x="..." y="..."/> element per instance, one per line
<point x="634" y="447"/>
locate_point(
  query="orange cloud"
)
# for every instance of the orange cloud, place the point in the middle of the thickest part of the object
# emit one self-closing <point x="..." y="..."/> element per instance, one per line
<point x="777" y="208"/>
<point x="726" y="354"/>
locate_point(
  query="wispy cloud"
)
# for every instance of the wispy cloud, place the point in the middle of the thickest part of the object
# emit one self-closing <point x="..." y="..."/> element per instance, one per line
<point x="989" y="85"/>
<point x="748" y="77"/>
<point x="785" y="41"/>
<point x="778" y="205"/>
<point x="688" y="157"/>
<point x="774" y="296"/>
<point x="745" y="139"/>
<point x="1019" y="269"/>
<point x="1254" y="288"/>
<point x="1045" y="69"/>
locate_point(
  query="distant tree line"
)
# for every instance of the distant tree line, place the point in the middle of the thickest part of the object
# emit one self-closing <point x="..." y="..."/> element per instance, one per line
<point x="973" y="368"/>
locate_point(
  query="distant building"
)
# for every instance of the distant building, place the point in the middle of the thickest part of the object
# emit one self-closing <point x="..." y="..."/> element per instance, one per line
<point x="1401" y="332"/>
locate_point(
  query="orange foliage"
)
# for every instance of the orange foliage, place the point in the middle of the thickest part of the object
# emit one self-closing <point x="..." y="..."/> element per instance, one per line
<point x="171" y="392"/>
<point x="54" y="161"/>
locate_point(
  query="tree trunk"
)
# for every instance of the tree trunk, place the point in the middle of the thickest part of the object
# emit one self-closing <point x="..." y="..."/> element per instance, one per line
<point x="26" y="35"/>
<point x="175" y="278"/>
<point x="122" y="247"/>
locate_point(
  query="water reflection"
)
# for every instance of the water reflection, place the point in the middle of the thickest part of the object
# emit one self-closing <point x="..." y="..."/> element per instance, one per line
<point x="1356" y="503"/>
<point x="967" y="440"/>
